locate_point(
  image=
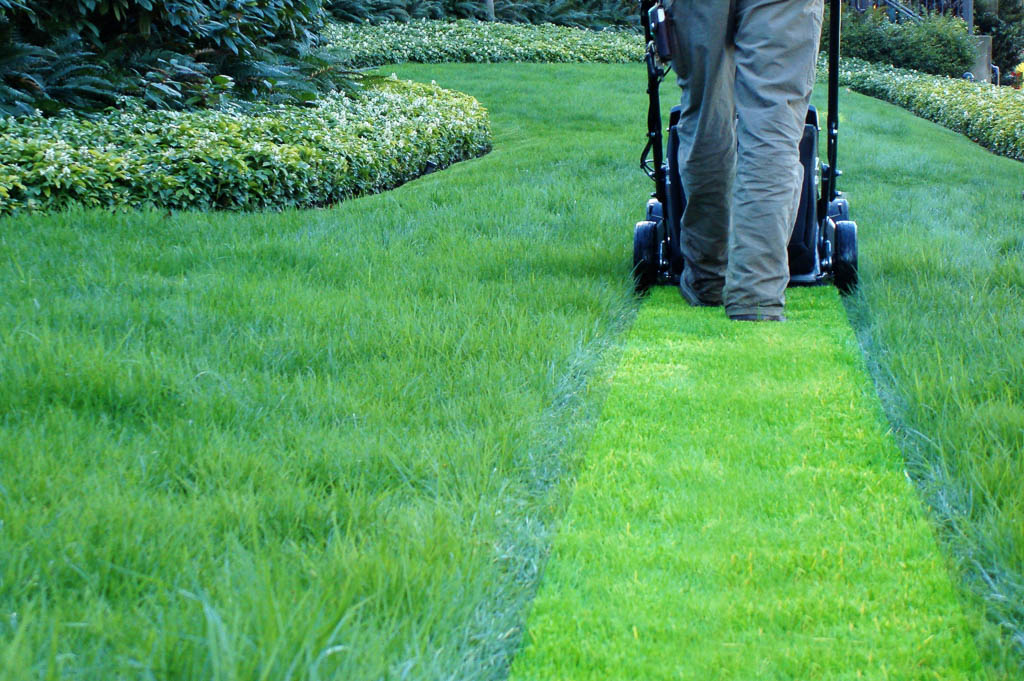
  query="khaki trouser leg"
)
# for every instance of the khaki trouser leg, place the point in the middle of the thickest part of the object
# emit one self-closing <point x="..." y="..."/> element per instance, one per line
<point x="776" y="49"/>
<point x="755" y="58"/>
<point x="703" y="62"/>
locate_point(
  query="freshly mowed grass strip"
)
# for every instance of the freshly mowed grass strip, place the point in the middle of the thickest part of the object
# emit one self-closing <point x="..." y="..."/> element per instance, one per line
<point x="743" y="514"/>
<point x="313" y="444"/>
<point x="940" y="317"/>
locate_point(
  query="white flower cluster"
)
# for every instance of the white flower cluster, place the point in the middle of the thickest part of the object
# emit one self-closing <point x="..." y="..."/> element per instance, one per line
<point x="253" y="158"/>
<point x="992" y="116"/>
<point x="362" y="45"/>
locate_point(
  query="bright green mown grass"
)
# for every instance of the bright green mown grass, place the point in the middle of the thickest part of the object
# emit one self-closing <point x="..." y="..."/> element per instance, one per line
<point x="315" y="444"/>
<point x="940" y="318"/>
<point x="743" y="514"/>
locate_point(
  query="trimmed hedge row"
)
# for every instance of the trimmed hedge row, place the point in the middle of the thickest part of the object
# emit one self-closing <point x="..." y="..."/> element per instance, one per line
<point x="257" y="158"/>
<point x="992" y="116"/>
<point x="471" y="41"/>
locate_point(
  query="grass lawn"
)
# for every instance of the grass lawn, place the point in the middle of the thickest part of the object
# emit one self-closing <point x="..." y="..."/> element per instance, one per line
<point x="314" y="444"/>
<point x="744" y="515"/>
<point x="940" y="319"/>
<point x="334" y="444"/>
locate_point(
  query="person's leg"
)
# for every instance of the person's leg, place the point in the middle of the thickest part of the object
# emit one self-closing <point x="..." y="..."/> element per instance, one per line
<point x="703" y="62"/>
<point x="776" y="50"/>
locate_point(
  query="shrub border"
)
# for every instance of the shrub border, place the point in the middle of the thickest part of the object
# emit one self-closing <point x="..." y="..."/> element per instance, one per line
<point x="991" y="116"/>
<point x="464" y="41"/>
<point x="262" y="157"/>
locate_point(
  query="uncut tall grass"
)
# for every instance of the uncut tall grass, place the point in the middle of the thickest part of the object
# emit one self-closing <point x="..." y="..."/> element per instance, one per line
<point x="312" y="444"/>
<point x="940" y="316"/>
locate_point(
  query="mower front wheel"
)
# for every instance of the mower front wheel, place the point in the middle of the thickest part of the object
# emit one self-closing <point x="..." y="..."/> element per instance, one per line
<point x="645" y="255"/>
<point x="846" y="256"/>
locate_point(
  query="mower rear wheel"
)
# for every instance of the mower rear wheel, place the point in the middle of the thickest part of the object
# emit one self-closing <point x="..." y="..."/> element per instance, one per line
<point x="645" y="255"/>
<point x="846" y="256"/>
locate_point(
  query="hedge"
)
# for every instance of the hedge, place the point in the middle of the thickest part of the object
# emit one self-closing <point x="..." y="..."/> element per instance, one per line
<point x="260" y="157"/>
<point x="471" y="41"/>
<point x="992" y="116"/>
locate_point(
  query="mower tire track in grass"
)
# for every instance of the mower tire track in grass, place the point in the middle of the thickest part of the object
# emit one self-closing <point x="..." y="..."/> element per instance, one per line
<point x="744" y="514"/>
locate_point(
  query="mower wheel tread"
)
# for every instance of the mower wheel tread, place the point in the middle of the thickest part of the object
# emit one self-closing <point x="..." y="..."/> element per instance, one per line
<point x="846" y="276"/>
<point x="645" y="255"/>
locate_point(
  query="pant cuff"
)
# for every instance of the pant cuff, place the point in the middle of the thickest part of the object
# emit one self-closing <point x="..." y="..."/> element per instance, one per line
<point x="756" y="310"/>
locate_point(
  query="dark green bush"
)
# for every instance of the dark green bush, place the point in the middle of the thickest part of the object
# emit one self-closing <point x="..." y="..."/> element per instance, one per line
<point x="242" y="27"/>
<point x="938" y="45"/>
<point x="576" y="13"/>
<point x="40" y="78"/>
<point x="382" y="11"/>
<point x="173" y="53"/>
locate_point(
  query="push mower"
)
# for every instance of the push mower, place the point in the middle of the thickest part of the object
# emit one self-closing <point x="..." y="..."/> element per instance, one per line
<point x="823" y="247"/>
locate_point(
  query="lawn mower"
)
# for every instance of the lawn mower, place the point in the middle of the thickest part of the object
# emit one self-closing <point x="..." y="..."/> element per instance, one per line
<point x="823" y="246"/>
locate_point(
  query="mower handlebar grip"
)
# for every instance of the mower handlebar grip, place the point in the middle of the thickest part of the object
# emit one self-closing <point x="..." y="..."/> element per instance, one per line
<point x="657" y="22"/>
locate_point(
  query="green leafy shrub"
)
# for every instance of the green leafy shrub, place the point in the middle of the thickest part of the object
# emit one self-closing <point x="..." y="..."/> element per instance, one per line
<point x="991" y="116"/>
<point x="262" y="157"/>
<point x="938" y="45"/>
<point x="471" y="41"/>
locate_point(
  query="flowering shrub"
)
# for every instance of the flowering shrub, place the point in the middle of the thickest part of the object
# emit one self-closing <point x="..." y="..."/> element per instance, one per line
<point x="992" y="116"/>
<point x="259" y="157"/>
<point x="472" y="41"/>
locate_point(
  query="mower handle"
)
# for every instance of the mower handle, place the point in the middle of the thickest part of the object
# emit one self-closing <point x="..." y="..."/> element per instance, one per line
<point x="834" y="33"/>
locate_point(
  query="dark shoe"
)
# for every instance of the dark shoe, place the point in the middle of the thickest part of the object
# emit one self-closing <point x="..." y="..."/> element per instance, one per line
<point x="757" y="317"/>
<point x="690" y="296"/>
